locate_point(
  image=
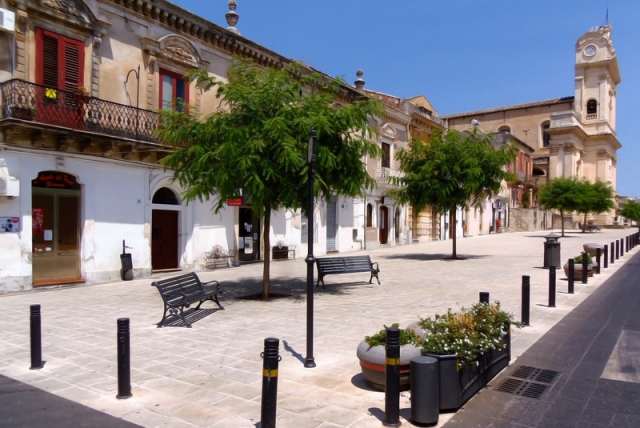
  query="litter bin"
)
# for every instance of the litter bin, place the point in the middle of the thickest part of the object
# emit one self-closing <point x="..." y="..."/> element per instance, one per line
<point x="126" y="273"/>
<point x="425" y="390"/>
<point x="552" y="251"/>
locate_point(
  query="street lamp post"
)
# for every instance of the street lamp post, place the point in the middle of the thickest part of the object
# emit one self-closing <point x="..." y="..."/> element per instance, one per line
<point x="309" y="361"/>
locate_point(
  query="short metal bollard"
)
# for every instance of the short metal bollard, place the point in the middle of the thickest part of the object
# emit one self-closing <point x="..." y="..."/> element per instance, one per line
<point x="612" y="252"/>
<point x="621" y="247"/>
<point x="392" y="379"/>
<point x="484" y="297"/>
<point x="598" y="255"/>
<point x="526" y="299"/>
<point x="124" y="359"/>
<point x="36" y="337"/>
<point x="425" y="390"/>
<point x="270" y="361"/>
<point x="606" y="256"/>
<point x="552" y="286"/>
<point x="572" y="275"/>
<point x="585" y="267"/>
<point x="617" y="249"/>
<point x="626" y="243"/>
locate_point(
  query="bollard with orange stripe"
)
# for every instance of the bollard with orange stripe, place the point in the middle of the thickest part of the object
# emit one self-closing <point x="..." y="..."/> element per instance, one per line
<point x="269" y="382"/>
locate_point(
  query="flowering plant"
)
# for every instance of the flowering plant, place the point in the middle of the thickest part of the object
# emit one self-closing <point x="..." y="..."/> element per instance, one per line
<point x="578" y="259"/>
<point x="467" y="333"/>
<point x="406" y="336"/>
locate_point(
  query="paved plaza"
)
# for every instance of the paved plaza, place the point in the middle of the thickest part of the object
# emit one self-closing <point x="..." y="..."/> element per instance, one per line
<point x="210" y="375"/>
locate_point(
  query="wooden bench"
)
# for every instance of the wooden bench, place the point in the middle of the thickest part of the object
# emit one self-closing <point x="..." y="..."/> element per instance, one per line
<point x="337" y="265"/>
<point x="182" y="291"/>
<point x="218" y="255"/>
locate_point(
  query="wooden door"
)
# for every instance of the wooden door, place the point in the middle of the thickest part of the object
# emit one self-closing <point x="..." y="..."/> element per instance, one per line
<point x="164" y="239"/>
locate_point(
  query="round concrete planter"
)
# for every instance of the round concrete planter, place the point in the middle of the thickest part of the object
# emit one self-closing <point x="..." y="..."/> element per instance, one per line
<point x="577" y="270"/>
<point x="373" y="364"/>
<point x="591" y="248"/>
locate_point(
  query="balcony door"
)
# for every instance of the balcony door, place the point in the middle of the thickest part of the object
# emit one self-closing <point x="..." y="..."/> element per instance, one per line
<point x="55" y="204"/>
<point x="59" y="74"/>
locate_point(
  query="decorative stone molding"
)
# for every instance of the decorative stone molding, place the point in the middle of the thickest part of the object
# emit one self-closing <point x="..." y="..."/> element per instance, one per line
<point x="571" y="148"/>
<point x="604" y="154"/>
<point x="554" y="149"/>
<point x="388" y="131"/>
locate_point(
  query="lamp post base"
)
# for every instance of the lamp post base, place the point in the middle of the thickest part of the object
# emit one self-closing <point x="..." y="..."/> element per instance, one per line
<point x="309" y="362"/>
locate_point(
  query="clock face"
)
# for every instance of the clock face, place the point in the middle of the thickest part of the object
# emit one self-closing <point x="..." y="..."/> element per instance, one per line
<point x="590" y="50"/>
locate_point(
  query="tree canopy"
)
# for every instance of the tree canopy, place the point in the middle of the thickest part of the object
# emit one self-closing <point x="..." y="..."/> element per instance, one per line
<point x="559" y="194"/>
<point x="593" y="198"/>
<point x="452" y="170"/>
<point x="257" y="143"/>
<point x="571" y="194"/>
<point x="631" y="211"/>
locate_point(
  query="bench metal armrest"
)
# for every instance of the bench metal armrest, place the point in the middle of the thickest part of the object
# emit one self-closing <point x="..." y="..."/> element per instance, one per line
<point x="376" y="268"/>
<point x="211" y="285"/>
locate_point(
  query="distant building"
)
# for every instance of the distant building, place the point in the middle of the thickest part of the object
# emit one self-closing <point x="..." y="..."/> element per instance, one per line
<point x="572" y="136"/>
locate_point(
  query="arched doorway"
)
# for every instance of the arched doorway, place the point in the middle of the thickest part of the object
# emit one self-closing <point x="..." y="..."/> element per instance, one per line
<point x="383" y="224"/>
<point x="164" y="230"/>
<point x="55" y="238"/>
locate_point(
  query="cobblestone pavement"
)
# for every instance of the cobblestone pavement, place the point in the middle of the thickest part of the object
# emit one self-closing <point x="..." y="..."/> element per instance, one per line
<point x="210" y="375"/>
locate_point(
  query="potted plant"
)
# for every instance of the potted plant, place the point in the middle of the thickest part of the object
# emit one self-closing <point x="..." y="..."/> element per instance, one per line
<point x="81" y="95"/>
<point x="471" y="345"/>
<point x="372" y="355"/>
<point x="577" y="267"/>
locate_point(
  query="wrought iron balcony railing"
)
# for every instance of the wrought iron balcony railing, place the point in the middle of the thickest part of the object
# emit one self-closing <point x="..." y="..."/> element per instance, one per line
<point x="382" y="174"/>
<point x="52" y="106"/>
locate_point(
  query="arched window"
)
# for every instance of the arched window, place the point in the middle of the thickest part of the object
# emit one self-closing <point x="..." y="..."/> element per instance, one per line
<point x="592" y="107"/>
<point x="504" y="128"/>
<point x="546" y="139"/>
<point x="165" y="196"/>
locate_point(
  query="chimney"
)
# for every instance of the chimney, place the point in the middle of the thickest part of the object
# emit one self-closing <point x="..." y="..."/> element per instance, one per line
<point x="359" y="81"/>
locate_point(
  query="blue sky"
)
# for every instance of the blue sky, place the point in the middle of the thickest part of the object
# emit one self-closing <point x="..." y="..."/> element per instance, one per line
<point x="463" y="55"/>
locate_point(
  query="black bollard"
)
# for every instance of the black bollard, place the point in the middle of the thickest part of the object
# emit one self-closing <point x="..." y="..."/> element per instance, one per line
<point x="572" y="275"/>
<point x="606" y="256"/>
<point x="598" y="255"/>
<point x="484" y="297"/>
<point x="526" y="299"/>
<point x="613" y="253"/>
<point x="621" y="247"/>
<point x="269" y="382"/>
<point x="585" y="267"/>
<point x="124" y="358"/>
<point x="552" y="286"/>
<point x="36" y="337"/>
<point x="392" y="379"/>
<point x="626" y="243"/>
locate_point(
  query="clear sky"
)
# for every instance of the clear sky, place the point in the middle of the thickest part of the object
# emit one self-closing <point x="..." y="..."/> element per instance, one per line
<point x="463" y="55"/>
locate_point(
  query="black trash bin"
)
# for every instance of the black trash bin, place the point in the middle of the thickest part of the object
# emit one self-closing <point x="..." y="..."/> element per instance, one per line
<point x="425" y="390"/>
<point x="552" y="251"/>
<point x="126" y="273"/>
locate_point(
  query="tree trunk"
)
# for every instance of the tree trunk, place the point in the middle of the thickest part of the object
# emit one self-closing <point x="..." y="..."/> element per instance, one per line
<point x="584" y="223"/>
<point x="452" y="228"/>
<point x="562" y="221"/>
<point x="434" y="225"/>
<point x="266" y="271"/>
<point x="414" y="216"/>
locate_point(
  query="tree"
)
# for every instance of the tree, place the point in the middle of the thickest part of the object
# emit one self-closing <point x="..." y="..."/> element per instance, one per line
<point x="593" y="198"/>
<point x="453" y="169"/>
<point x="258" y="141"/>
<point x="560" y="194"/>
<point x="631" y="211"/>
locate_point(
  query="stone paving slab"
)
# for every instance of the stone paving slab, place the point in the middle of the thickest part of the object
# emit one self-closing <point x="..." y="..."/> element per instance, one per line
<point x="210" y="375"/>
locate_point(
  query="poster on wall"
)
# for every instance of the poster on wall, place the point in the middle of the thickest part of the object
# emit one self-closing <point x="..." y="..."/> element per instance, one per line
<point x="9" y="224"/>
<point x="248" y="245"/>
<point x="37" y="218"/>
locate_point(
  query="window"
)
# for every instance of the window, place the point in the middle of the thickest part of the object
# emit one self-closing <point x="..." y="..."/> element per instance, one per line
<point x="60" y="63"/>
<point x="386" y="155"/>
<point x="546" y="139"/>
<point x="592" y="108"/>
<point x="505" y="129"/>
<point x="172" y="88"/>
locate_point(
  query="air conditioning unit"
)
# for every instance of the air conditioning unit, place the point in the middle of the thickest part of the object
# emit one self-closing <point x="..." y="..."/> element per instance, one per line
<point x="9" y="186"/>
<point x="7" y="20"/>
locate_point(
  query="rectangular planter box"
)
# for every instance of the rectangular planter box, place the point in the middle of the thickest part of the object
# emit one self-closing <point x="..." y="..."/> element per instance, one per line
<point x="459" y="385"/>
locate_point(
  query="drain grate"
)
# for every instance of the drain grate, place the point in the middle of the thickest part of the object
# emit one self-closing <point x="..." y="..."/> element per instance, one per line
<point x="535" y="374"/>
<point x="522" y="387"/>
<point x="528" y="381"/>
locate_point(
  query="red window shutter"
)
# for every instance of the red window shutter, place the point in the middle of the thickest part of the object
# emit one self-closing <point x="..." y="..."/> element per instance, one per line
<point x="60" y="60"/>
